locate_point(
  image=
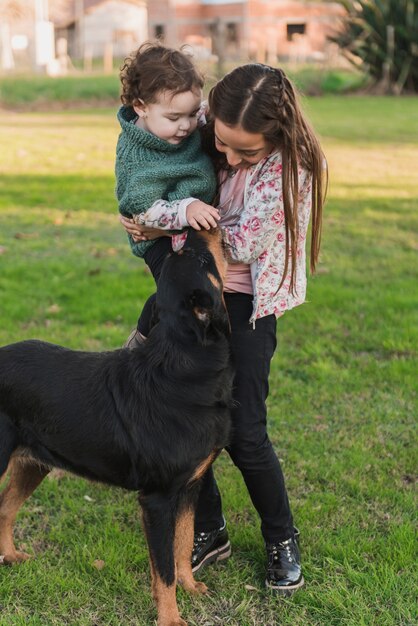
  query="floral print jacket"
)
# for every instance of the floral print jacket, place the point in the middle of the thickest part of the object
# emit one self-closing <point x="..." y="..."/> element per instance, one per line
<point x="259" y="237"/>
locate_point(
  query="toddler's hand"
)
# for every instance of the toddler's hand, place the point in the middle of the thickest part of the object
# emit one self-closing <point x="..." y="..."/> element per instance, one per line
<point x="199" y="214"/>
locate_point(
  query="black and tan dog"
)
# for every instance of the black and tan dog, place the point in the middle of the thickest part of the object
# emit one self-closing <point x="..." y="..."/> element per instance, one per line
<point x="151" y="419"/>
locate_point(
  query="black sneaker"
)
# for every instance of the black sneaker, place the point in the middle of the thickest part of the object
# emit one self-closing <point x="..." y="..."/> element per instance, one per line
<point x="284" y="574"/>
<point x="210" y="547"/>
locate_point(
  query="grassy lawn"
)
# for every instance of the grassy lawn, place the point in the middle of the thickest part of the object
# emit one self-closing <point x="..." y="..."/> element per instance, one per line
<point x="31" y="92"/>
<point x="343" y="384"/>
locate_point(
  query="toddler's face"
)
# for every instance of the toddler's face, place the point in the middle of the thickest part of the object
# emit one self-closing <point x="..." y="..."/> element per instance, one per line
<point x="171" y="117"/>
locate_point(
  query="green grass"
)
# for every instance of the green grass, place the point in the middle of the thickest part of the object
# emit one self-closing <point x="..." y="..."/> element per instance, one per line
<point x="31" y="92"/>
<point x="47" y="92"/>
<point x="343" y="384"/>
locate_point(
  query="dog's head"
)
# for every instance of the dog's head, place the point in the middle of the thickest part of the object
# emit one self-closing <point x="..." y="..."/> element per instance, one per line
<point x="190" y="288"/>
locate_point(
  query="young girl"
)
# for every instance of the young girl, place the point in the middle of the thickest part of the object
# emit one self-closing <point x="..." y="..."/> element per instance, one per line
<point x="158" y="155"/>
<point x="274" y="167"/>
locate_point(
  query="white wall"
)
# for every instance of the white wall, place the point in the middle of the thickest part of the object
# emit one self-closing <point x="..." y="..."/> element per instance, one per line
<point x="117" y="22"/>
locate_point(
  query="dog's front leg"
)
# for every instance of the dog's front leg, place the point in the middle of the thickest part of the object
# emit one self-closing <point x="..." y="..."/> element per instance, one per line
<point x="165" y="598"/>
<point x="159" y="515"/>
<point x="183" y="547"/>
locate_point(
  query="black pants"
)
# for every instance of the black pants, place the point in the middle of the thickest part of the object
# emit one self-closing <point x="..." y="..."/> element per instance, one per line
<point x="250" y="448"/>
<point x="154" y="258"/>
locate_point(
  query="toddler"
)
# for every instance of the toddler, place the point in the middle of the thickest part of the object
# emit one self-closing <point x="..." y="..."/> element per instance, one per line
<point x="159" y="158"/>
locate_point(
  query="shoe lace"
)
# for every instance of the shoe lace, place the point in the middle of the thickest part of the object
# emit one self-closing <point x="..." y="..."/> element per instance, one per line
<point x="282" y="548"/>
<point x="199" y="538"/>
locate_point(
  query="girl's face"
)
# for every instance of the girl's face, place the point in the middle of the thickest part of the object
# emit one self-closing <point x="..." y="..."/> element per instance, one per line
<point x="171" y="117"/>
<point x="242" y="149"/>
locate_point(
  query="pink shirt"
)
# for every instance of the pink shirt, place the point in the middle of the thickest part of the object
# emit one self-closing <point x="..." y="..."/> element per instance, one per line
<point x="259" y="236"/>
<point x="231" y="202"/>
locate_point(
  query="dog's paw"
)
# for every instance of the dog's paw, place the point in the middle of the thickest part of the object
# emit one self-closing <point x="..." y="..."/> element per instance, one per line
<point x="193" y="586"/>
<point x="199" y="587"/>
<point x="16" y="557"/>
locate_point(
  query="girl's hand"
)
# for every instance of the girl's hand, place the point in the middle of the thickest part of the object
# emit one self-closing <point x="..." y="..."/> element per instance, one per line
<point x="129" y="225"/>
<point x="199" y="214"/>
<point x="148" y="233"/>
<point x="139" y="232"/>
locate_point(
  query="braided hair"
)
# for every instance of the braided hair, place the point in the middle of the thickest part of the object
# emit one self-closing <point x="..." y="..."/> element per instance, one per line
<point x="261" y="99"/>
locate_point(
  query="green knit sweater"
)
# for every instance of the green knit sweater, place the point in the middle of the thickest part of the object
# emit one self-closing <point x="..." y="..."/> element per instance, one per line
<point x="149" y="169"/>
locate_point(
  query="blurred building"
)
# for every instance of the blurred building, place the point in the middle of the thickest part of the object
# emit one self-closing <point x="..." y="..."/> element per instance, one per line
<point x="17" y="40"/>
<point x="264" y="30"/>
<point x="51" y="34"/>
<point x="93" y="28"/>
<point x="47" y="35"/>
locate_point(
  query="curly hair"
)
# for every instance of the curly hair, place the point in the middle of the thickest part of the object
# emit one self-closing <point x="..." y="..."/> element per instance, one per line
<point x="154" y="68"/>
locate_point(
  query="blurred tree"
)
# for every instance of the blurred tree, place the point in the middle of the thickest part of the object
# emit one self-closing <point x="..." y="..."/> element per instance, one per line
<point x="383" y="34"/>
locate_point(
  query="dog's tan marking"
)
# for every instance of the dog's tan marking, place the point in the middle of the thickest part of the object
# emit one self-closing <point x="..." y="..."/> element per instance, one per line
<point x="24" y="455"/>
<point x="183" y="547"/>
<point x="215" y="282"/>
<point x="164" y="595"/>
<point x="24" y="478"/>
<point x="202" y="468"/>
<point x="214" y="243"/>
<point x="165" y="598"/>
<point x="201" y="314"/>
